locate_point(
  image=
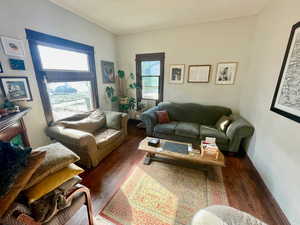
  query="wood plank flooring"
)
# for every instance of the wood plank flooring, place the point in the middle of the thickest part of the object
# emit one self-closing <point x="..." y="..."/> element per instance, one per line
<point x="244" y="187"/>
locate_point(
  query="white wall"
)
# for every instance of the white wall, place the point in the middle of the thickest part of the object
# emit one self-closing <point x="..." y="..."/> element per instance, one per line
<point x="275" y="148"/>
<point x="43" y="16"/>
<point x="207" y="43"/>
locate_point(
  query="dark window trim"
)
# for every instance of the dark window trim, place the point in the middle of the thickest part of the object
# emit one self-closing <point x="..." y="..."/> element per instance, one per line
<point x="35" y="38"/>
<point x="150" y="57"/>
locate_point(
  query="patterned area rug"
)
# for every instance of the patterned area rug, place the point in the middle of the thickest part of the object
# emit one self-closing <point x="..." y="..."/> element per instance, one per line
<point x="163" y="194"/>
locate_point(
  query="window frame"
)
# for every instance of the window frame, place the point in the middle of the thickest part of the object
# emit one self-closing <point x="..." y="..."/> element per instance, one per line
<point x="150" y="57"/>
<point x="43" y="76"/>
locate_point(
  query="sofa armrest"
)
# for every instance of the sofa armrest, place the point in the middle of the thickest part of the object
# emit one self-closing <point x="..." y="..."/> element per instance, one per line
<point x="238" y="130"/>
<point x="149" y="119"/>
<point x="80" y="142"/>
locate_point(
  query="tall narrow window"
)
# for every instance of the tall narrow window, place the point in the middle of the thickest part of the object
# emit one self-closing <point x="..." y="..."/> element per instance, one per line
<point x="65" y="72"/>
<point x="150" y="76"/>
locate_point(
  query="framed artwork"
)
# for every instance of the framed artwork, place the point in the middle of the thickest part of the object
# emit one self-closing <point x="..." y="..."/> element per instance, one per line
<point x="1" y="68"/>
<point x="13" y="47"/>
<point x="177" y="74"/>
<point x="286" y="99"/>
<point x="16" y="88"/>
<point x="108" y="72"/>
<point x="226" y="72"/>
<point x="199" y="73"/>
<point x="17" y="64"/>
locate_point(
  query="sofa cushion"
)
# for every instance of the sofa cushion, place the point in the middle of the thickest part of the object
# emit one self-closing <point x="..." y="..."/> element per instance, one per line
<point x="166" y="128"/>
<point x="206" y="131"/>
<point x="186" y="129"/>
<point x="106" y="137"/>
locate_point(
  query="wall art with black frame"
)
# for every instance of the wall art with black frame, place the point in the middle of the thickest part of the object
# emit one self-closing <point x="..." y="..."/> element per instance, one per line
<point x="286" y="100"/>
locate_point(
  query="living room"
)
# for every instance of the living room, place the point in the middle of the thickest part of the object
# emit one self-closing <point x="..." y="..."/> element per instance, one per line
<point x="193" y="45"/>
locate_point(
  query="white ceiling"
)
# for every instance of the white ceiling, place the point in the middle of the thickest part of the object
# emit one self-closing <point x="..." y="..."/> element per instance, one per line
<point x="132" y="16"/>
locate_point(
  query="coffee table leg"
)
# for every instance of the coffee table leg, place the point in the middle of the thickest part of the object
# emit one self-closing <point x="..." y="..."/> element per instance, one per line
<point x="147" y="160"/>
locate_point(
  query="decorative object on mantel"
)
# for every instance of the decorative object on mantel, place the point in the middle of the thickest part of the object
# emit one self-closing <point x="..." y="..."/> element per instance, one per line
<point x="1" y="68"/>
<point x="177" y="74"/>
<point x="199" y="73"/>
<point x="13" y="47"/>
<point x="16" y="88"/>
<point x="286" y="100"/>
<point x="17" y="64"/>
<point x="226" y="72"/>
<point x="126" y="103"/>
<point x="108" y="72"/>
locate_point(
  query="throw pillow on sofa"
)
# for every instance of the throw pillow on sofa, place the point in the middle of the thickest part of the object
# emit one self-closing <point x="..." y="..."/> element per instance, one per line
<point x="223" y="123"/>
<point x="163" y="117"/>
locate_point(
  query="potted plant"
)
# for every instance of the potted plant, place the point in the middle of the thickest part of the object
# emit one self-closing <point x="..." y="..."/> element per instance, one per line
<point x="126" y="103"/>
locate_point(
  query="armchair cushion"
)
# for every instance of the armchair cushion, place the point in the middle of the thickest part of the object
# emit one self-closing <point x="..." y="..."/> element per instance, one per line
<point x="186" y="129"/>
<point x="89" y="124"/>
<point x="113" y="120"/>
<point x="106" y="137"/>
<point x="166" y="128"/>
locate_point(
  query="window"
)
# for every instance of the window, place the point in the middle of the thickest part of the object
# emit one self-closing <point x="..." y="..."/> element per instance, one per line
<point x="150" y="74"/>
<point x="65" y="72"/>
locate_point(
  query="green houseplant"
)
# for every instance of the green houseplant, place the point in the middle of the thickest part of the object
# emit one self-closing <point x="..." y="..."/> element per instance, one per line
<point x="126" y="102"/>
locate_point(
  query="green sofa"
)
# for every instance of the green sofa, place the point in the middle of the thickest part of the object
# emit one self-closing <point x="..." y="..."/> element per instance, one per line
<point x="191" y="122"/>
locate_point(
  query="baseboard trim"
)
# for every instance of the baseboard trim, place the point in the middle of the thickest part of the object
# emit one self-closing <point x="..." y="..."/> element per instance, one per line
<point x="277" y="212"/>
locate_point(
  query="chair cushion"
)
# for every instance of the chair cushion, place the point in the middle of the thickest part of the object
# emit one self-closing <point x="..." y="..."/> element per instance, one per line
<point x="13" y="159"/>
<point x="166" y="128"/>
<point x="87" y="124"/>
<point x="206" y="131"/>
<point x="57" y="157"/>
<point x="51" y="182"/>
<point x="34" y="161"/>
<point x="106" y="136"/>
<point x="186" y="129"/>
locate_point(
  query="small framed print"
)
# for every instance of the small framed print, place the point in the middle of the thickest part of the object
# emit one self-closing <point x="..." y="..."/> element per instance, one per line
<point x="199" y="73"/>
<point x="12" y="47"/>
<point x="16" y="88"/>
<point x="17" y="64"/>
<point x="108" y="72"/>
<point x="226" y="73"/>
<point x="177" y="74"/>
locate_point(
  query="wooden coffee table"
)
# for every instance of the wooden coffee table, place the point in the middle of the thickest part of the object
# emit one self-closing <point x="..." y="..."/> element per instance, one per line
<point x="156" y="153"/>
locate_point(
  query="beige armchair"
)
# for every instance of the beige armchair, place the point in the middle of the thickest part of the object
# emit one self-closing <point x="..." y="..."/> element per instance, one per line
<point x="92" y="147"/>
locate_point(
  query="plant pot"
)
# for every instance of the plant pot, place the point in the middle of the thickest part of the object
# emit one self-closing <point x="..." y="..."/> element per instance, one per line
<point x="123" y="100"/>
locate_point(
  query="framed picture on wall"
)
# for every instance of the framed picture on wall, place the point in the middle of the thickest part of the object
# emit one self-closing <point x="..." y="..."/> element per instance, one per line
<point x="176" y="74"/>
<point x="16" y="88"/>
<point x="12" y="47"/>
<point x="108" y="72"/>
<point x="226" y="72"/>
<point x="199" y="73"/>
<point x="286" y="99"/>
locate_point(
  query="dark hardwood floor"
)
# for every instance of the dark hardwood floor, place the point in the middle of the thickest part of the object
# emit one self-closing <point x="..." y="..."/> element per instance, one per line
<point x="244" y="187"/>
